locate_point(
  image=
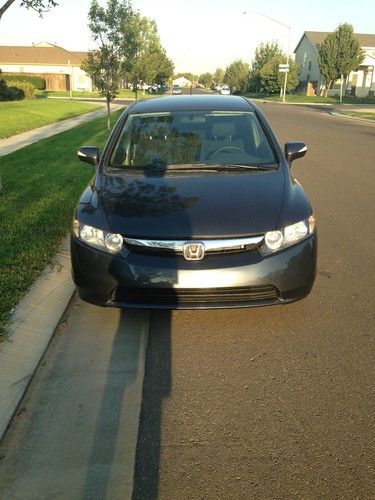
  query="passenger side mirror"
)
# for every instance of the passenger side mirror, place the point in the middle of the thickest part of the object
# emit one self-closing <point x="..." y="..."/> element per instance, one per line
<point x="89" y="154"/>
<point x="294" y="150"/>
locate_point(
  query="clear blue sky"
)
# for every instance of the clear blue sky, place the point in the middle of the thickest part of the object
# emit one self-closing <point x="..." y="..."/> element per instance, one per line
<point x="199" y="35"/>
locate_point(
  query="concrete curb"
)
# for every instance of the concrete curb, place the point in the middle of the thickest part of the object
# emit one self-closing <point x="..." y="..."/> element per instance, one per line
<point x="358" y="118"/>
<point x="32" y="326"/>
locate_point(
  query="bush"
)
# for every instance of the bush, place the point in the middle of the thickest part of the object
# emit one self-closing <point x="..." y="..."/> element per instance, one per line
<point x="10" y="93"/>
<point x="3" y="90"/>
<point x="26" y="88"/>
<point x="37" y="82"/>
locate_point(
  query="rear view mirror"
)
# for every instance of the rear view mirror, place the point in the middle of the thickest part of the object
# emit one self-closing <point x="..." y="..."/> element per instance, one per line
<point x="294" y="150"/>
<point x="89" y="154"/>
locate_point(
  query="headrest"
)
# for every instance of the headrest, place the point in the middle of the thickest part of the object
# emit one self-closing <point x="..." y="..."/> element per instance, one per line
<point x="221" y="128"/>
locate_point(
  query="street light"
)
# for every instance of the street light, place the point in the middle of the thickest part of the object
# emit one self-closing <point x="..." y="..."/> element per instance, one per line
<point x="282" y="91"/>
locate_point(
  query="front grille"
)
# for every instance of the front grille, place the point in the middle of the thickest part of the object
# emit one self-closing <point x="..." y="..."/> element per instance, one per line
<point x="202" y="296"/>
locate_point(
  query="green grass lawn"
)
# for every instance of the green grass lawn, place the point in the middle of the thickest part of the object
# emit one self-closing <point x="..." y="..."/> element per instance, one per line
<point x="123" y="94"/>
<point x="20" y="116"/>
<point x="367" y="116"/>
<point x="42" y="184"/>
<point x="302" y="98"/>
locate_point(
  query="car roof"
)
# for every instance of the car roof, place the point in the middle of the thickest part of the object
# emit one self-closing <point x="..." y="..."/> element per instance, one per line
<point x="193" y="102"/>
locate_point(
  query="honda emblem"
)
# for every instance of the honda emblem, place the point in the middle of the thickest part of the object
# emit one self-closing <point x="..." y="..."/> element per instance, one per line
<point x="193" y="251"/>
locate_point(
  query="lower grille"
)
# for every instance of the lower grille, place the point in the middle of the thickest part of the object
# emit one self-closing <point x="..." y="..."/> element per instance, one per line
<point x="185" y="296"/>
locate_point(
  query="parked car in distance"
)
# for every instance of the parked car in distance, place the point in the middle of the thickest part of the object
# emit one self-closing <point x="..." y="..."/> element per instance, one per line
<point x="176" y="89"/>
<point x="225" y="90"/>
<point x="193" y="205"/>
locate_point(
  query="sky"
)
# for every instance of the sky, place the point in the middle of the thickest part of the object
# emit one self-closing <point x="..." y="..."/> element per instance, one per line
<point x="198" y="35"/>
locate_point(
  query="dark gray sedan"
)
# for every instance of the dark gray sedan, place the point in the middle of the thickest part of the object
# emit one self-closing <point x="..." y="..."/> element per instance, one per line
<point x="193" y="205"/>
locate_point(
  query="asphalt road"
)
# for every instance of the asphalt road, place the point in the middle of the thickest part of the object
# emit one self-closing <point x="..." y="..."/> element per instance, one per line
<point x="253" y="403"/>
<point x="276" y="402"/>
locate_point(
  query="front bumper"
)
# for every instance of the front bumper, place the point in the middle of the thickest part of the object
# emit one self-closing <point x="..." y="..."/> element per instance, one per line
<point x="138" y="280"/>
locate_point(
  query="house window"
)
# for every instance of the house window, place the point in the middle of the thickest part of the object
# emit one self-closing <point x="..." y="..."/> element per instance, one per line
<point x="309" y="68"/>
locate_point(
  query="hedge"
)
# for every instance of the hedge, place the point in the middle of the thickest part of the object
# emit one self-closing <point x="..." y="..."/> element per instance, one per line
<point x="26" y="88"/>
<point x="37" y="82"/>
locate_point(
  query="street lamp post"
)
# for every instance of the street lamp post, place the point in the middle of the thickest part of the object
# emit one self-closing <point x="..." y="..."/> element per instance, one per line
<point x="282" y="90"/>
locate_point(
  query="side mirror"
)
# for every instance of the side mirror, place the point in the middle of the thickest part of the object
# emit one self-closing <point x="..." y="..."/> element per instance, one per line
<point x="89" y="154"/>
<point x="294" y="150"/>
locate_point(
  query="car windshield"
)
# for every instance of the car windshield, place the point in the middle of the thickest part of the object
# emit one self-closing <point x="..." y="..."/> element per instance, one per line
<point x="195" y="138"/>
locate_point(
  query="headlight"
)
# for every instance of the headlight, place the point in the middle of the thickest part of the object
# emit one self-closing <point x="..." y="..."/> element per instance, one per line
<point x="109" y="242"/>
<point x="287" y="236"/>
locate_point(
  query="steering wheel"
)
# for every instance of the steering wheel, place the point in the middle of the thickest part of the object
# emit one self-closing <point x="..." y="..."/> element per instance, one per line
<point x="224" y="148"/>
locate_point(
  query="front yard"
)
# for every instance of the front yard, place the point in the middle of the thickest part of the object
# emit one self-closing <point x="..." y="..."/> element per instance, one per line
<point x="42" y="183"/>
<point x="20" y="116"/>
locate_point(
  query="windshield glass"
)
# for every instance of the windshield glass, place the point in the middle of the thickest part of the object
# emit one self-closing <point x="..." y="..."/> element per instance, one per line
<point x="157" y="140"/>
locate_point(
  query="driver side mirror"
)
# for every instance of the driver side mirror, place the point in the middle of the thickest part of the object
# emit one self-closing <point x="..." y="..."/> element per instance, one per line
<point x="294" y="150"/>
<point x="89" y="154"/>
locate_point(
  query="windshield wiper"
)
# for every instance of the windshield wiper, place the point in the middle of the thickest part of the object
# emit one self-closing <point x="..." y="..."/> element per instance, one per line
<point x="247" y="166"/>
<point x="219" y="166"/>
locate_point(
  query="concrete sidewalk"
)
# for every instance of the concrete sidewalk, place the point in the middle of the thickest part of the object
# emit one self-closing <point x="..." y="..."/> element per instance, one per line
<point x="19" y="141"/>
<point x="33" y="323"/>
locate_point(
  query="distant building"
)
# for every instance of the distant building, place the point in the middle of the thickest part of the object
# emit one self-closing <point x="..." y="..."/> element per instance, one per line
<point x="60" y="67"/>
<point x="360" y="83"/>
<point x="182" y="82"/>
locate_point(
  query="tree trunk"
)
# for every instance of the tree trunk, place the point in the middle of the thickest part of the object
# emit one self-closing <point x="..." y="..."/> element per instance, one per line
<point x="108" y="114"/>
<point x="328" y="86"/>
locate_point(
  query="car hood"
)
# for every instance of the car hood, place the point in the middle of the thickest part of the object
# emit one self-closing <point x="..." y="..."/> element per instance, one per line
<point x="193" y="206"/>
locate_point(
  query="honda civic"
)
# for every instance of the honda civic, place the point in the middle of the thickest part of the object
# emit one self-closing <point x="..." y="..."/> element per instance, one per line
<point x="193" y="205"/>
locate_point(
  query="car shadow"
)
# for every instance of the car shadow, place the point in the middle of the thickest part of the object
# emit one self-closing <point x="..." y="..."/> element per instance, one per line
<point x="109" y="465"/>
<point x="156" y="388"/>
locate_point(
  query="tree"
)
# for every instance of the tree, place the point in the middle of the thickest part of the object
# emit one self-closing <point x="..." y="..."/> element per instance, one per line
<point x="112" y="28"/>
<point x="148" y="63"/>
<point x="264" y="53"/>
<point x="218" y="76"/>
<point x="236" y="76"/>
<point x="327" y="57"/>
<point x="349" y="51"/>
<point x="40" y="6"/>
<point x="339" y="54"/>
<point x="205" y="79"/>
<point x="272" y="80"/>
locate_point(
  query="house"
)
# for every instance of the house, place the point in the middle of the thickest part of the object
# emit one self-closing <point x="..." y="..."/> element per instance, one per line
<point x="59" y="67"/>
<point x="360" y="83"/>
<point x="182" y="82"/>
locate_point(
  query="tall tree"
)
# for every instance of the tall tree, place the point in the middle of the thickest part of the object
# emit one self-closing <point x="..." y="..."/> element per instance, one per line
<point x="327" y="58"/>
<point x="218" y="76"/>
<point x="349" y="51"/>
<point x="236" y="76"/>
<point x="40" y="6"/>
<point x="148" y="62"/>
<point x="205" y="79"/>
<point x="112" y="28"/>
<point x="272" y="80"/>
<point x="339" y="54"/>
<point x="264" y="53"/>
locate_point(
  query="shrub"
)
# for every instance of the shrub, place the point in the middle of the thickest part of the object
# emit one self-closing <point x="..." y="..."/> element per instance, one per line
<point x="26" y="88"/>
<point x="3" y="90"/>
<point x="10" y="93"/>
<point x="37" y="81"/>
